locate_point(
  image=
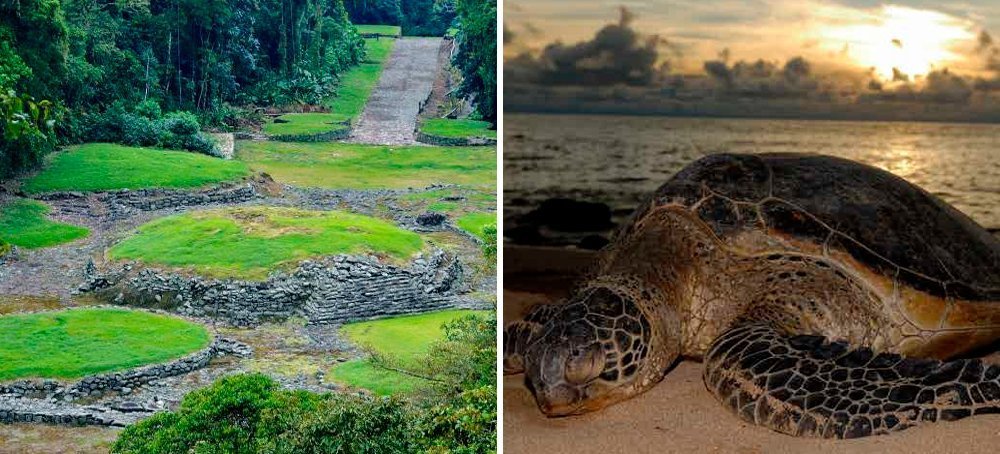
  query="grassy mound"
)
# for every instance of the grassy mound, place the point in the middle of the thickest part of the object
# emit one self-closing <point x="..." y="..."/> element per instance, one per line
<point x="450" y="200"/>
<point x="250" y="242"/>
<point x="405" y="338"/>
<point x="355" y="87"/>
<point x="475" y="222"/>
<point x="104" y="167"/>
<point x="446" y="127"/>
<point x="385" y="30"/>
<point x="74" y="343"/>
<point x="23" y="223"/>
<point x="346" y="165"/>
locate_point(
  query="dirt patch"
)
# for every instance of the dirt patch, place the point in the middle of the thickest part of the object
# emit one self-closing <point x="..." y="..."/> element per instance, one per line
<point x="10" y="304"/>
<point x="437" y="104"/>
<point x="27" y="438"/>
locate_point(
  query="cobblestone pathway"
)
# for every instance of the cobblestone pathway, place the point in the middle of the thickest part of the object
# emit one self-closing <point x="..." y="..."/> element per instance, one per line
<point x="391" y="114"/>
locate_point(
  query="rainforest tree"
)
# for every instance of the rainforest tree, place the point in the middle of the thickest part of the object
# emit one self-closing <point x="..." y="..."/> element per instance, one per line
<point x="477" y="54"/>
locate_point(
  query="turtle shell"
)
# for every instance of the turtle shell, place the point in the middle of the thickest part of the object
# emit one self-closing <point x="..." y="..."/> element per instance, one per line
<point x="882" y="220"/>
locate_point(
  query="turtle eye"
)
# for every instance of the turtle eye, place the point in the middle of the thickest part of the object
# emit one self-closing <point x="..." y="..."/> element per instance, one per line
<point x="584" y="365"/>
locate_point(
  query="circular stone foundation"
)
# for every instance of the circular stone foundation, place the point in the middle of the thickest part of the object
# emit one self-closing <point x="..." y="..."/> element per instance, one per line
<point x="250" y="242"/>
<point x="75" y="343"/>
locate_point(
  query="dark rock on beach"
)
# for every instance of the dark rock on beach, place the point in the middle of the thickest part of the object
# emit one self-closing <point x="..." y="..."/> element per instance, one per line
<point x="570" y="216"/>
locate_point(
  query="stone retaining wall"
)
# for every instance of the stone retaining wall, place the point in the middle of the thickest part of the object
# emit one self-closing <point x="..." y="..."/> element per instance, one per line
<point x="332" y="290"/>
<point x="51" y="402"/>
<point x="454" y="141"/>
<point x="123" y="202"/>
<point x="17" y="410"/>
<point x="337" y="134"/>
<point x="124" y="381"/>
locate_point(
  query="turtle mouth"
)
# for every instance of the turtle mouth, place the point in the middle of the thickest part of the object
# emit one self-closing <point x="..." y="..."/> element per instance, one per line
<point x="564" y="400"/>
<point x="554" y="408"/>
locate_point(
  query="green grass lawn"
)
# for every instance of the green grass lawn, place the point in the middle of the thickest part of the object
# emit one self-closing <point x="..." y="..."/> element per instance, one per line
<point x="405" y="338"/>
<point x="78" y="342"/>
<point x="446" y="127"/>
<point x="474" y="222"/>
<point x="387" y="30"/>
<point x="355" y="87"/>
<point x="104" y="167"/>
<point x="306" y="123"/>
<point x="250" y="242"/>
<point x="23" y="223"/>
<point x="346" y="165"/>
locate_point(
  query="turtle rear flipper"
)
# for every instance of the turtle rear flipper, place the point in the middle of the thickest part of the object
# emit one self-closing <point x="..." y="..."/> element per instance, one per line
<point x="517" y="336"/>
<point x="804" y="385"/>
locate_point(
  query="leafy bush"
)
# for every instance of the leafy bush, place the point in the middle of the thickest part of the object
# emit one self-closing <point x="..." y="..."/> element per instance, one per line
<point x="250" y="414"/>
<point x="305" y="87"/>
<point x="26" y="128"/>
<point x="352" y="424"/>
<point x="182" y="123"/>
<point x="464" y="425"/>
<point x="138" y="130"/>
<point x="222" y="418"/>
<point x="229" y="118"/>
<point x="489" y="238"/>
<point x="142" y="126"/>
<point x="149" y="109"/>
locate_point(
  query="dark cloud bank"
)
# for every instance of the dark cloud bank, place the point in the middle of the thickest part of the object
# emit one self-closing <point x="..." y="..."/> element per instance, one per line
<point x="623" y="71"/>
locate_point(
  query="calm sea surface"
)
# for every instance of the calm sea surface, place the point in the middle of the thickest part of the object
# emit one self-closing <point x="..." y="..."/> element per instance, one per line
<point x="617" y="160"/>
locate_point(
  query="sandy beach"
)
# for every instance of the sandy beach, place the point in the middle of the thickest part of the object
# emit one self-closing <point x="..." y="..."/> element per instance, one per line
<point x="678" y="415"/>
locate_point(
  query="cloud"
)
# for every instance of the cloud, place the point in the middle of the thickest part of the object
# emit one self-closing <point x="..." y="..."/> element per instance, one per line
<point x="616" y="55"/>
<point x="899" y="76"/>
<point x="939" y="86"/>
<point x="762" y="78"/>
<point x="944" y="86"/>
<point x="987" y="48"/>
<point x="796" y="69"/>
<point x="984" y="41"/>
<point x="718" y="70"/>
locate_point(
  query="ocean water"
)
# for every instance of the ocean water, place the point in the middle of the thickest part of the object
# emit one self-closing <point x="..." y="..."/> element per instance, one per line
<point x="617" y="160"/>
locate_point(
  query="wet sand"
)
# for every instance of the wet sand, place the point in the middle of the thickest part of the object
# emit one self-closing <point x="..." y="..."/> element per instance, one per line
<point x="678" y="415"/>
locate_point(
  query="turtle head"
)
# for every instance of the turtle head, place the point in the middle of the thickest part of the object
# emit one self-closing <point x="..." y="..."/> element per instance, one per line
<point x="601" y="348"/>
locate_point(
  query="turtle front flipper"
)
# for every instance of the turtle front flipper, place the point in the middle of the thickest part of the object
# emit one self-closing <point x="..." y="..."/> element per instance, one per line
<point x="517" y="336"/>
<point x="805" y="385"/>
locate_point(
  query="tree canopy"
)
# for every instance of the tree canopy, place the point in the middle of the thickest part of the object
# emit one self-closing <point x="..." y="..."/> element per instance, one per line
<point x="477" y="54"/>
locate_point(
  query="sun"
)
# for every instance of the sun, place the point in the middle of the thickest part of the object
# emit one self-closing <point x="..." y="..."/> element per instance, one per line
<point x="911" y="40"/>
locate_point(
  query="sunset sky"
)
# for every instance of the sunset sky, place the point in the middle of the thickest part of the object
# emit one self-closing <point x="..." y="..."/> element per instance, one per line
<point x="914" y="37"/>
<point x="848" y="59"/>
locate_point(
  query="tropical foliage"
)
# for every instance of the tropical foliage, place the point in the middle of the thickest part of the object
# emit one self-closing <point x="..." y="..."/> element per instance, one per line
<point x="26" y="128"/>
<point x="477" y="54"/>
<point x="111" y="68"/>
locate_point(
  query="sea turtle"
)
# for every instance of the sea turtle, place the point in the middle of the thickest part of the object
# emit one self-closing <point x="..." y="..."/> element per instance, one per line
<point x="825" y="297"/>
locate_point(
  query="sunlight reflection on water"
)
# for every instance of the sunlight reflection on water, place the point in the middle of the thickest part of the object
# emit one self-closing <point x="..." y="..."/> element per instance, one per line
<point x="618" y="160"/>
